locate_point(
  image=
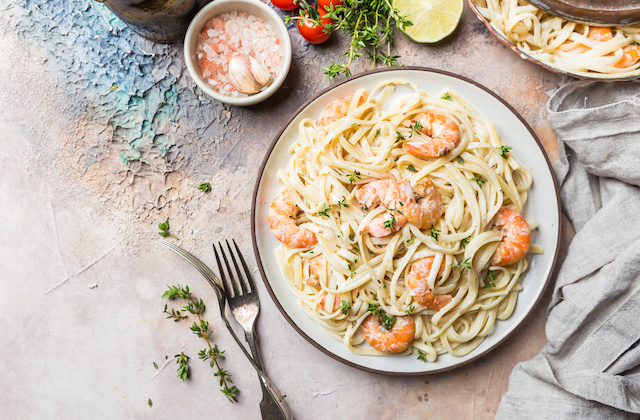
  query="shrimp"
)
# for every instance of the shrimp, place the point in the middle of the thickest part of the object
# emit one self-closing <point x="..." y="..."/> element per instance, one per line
<point x="395" y="340"/>
<point x="336" y="110"/>
<point x="337" y="301"/>
<point x="419" y="288"/>
<point x="282" y="220"/>
<point x="316" y="264"/>
<point x="630" y="53"/>
<point x="516" y="237"/>
<point x="396" y="196"/>
<point x="630" y="56"/>
<point x="444" y="133"/>
<point x="420" y="205"/>
<point x="429" y="202"/>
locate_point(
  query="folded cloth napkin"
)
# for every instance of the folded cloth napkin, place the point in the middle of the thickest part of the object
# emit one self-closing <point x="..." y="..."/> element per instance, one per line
<point x="590" y="367"/>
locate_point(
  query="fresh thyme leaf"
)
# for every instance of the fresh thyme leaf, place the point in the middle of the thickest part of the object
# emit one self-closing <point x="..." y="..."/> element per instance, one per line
<point x="446" y="96"/>
<point x="421" y="356"/>
<point x="342" y="203"/>
<point x="155" y="365"/>
<point x="352" y="271"/>
<point x="150" y="402"/>
<point x="345" y="306"/>
<point x="465" y="242"/>
<point x="464" y="264"/>
<point x="409" y="241"/>
<point x="388" y="321"/>
<point x="324" y="211"/>
<point x="480" y="180"/>
<point x="183" y="368"/>
<point x="415" y="127"/>
<point x="352" y="177"/>
<point x="391" y="223"/>
<point x="411" y="309"/>
<point x="352" y="236"/>
<point x="460" y="160"/>
<point x="412" y="168"/>
<point x="504" y="151"/>
<point x="434" y="233"/>
<point x="164" y="230"/>
<point x="204" y="187"/>
<point x="399" y="136"/>
<point x="490" y="280"/>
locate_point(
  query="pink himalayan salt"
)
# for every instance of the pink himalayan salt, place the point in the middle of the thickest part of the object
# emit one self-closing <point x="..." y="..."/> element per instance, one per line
<point x="232" y="33"/>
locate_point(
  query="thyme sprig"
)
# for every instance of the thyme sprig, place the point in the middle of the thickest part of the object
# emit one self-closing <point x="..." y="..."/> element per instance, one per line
<point x="369" y="23"/>
<point x="387" y="322"/>
<point x="201" y="329"/>
<point x="183" y="367"/>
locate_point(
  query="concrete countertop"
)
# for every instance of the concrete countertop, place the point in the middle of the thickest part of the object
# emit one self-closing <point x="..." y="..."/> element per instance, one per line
<point x="82" y="276"/>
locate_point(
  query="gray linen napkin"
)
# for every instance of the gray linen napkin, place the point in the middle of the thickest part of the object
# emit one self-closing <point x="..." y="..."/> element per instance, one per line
<point x="590" y="367"/>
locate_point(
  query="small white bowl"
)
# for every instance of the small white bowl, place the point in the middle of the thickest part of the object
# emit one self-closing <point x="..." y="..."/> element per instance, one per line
<point x="251" y="7"/>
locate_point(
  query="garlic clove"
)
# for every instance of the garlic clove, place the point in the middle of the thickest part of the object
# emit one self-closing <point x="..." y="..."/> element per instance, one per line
<point x="260" y="72"/>
<point x="240" y="75"/>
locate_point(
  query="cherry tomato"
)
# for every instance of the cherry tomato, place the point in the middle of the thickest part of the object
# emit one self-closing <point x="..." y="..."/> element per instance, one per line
<point x="284" y="4"/>
<point x="314" y="34"/>
<point x="326" y="4"/>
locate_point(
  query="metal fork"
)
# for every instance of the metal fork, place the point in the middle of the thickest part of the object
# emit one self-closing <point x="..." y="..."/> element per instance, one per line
<point x="281" y="410"/>
<point x="245" y="307"/>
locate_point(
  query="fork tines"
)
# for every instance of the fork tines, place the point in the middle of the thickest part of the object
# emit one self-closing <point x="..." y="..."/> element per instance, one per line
<point x="231" y="281"/>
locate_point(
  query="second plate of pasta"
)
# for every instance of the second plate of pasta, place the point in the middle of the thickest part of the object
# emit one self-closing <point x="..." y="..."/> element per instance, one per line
<point x="406" y="221"/>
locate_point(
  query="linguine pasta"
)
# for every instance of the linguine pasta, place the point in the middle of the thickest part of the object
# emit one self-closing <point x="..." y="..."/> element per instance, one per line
<point x="562" y="44"/>
<point x="362" y="274"/>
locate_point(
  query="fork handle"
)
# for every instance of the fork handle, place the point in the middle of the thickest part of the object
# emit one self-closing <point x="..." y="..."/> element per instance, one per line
<point x="269" y="409"/>
<point x="282" y="411"/>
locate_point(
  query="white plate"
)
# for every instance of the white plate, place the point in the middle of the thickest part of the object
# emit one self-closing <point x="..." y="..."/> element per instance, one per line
<point x="543" y="206"/>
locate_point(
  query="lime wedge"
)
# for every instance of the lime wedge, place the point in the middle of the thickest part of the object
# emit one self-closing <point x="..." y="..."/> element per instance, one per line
<point x="432" y="19"/>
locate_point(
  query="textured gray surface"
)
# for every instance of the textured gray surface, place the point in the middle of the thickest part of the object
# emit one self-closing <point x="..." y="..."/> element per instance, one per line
<point x="103" y="135"/>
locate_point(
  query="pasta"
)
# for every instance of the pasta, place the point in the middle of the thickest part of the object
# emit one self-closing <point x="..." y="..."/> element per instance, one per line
<point x="427" y="268"/>
<point x="572" y="47"/>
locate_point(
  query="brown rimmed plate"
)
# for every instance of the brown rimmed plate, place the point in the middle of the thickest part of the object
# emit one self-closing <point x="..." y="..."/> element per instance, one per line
<point x="600" y="12"/>
<point x="543" y="206"/>
<point x="596" y="77"/>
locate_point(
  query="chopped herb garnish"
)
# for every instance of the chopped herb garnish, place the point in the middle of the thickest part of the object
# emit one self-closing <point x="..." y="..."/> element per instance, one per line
<point x="480" y="180"/>
<point x="489" y="281"/>
<point x="150" y="402"/>
<point x="446" y="96"/>
<point x="416" y="127"/>
<point x="391" y="223"/>
<point x="155" y="365"/>
<point x="345" y="306"/>
<point x="465" y="242"/>
<point x="409" y="241"/>
<point x="434" y="233"/>
<point x="504" y="151"/>
<point x="352" y="236"/>
<point x="411" y="309"/>
<point x="412" y="168"/>
<point x="465" y="264"/>
<point x="460" y="160"/>
<point x="342" y="203"/>
<point x="388" y="321"/>
<point x="352" y="177"/>
<point x="421" y="356"/>
<point x="324" y="211"/>
<point x="204" y="187"/>
<point x="399" y="136"/>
